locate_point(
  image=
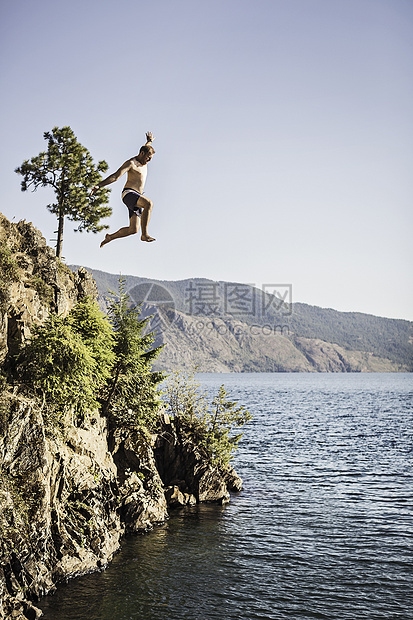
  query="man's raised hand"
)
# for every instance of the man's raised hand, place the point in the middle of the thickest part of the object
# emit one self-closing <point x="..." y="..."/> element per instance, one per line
<point x="149" y="137"/>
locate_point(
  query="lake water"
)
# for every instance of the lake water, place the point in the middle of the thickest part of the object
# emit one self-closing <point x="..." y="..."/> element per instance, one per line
<point x="322" y="529"/>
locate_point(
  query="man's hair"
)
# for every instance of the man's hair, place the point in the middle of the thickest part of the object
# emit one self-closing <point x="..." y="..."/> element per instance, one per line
<point x="147" y="148"/>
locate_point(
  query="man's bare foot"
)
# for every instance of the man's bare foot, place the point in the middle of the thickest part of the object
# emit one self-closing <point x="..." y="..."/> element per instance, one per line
<point x="105" y="240"/>
<point x="147" y="238"/>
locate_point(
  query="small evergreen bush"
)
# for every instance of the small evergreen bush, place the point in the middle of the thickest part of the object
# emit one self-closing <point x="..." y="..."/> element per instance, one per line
<point x="67" y="360"/>
<point x="212" y="425"/>
<point x="132" y="398"/>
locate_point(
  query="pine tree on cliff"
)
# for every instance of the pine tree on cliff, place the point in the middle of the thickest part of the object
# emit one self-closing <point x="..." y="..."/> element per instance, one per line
<point x="131" y="392"/>
<point x="68" y="168"/>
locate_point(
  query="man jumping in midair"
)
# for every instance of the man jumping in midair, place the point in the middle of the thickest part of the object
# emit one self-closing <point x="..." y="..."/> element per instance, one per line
<point x="139" y="206"/>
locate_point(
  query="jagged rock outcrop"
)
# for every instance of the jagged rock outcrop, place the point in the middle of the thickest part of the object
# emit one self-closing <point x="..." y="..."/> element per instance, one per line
<point x="141" y="495"/>
<point x="69" y="492"/>
<point x="68" y="497"/>
<point x="184" y="468"/>
<point x="60" y="499"/>
<point x="33" y="283"/>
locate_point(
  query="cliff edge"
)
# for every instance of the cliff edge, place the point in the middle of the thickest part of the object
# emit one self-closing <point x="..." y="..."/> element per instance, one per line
<point x="69" y="492"/>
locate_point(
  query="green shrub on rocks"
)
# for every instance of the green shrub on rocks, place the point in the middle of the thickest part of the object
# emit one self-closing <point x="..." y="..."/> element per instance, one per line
<point x="87" y="320"/>
<point x="124" y="357"/>
<point x="218" y="425"/>
<point x="184" y="397"/>
<point x="44" y="290"/>
<point x="9" y="272"/>
<point x="212" y="425"/>
<point x="9" y="268"/>
<point x="86" y="361"/>
<point x="67" y="360"/>
<point x="132" y="398"/>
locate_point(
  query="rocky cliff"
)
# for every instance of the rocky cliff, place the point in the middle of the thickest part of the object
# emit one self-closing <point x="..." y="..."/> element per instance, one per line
<point x="69" y="492"/>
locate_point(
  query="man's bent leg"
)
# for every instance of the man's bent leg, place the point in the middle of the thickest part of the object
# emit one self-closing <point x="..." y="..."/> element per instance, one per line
<point x="132" y="229"/>
<point x="146" y="205"/>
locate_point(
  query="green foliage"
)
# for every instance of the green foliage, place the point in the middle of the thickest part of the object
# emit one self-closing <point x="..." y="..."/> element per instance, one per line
<point x="96" y="333"/>
<point x="132" y="398"/>
<point x="212" y="426"/>
<point x="68" y="168"/>
<point x="44" y="290"/>
<point x="220" y="421"/>
<point x="82" y="360"/>
<point x="184" y="396"/>
<point x="68" y="359"/>
<point x="9" y="272"/>
<point x="9" y="269"/>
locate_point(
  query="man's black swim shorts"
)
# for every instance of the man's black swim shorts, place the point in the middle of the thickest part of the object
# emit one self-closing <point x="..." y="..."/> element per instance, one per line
<point x="130" y="198"/>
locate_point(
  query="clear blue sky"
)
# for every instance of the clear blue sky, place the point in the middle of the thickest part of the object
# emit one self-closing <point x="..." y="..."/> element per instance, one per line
<point x="284" y="144"/>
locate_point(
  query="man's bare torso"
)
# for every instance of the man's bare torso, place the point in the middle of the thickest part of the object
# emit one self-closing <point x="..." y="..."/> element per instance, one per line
<point x="137" y="173"/>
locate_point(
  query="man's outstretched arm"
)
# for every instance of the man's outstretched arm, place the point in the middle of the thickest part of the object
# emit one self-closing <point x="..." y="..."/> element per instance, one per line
<point x="112" y="177"/>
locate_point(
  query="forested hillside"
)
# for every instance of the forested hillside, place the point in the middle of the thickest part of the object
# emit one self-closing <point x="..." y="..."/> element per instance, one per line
<point x="243" y="308"/>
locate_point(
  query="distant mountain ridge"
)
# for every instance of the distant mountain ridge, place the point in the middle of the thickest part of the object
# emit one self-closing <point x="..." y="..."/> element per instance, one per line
<point x="235" y="327"/>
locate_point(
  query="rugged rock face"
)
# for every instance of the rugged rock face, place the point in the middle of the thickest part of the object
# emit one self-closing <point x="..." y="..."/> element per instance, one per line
<point x="60" y="499"/>
<point x="330" y="357"/>
<point x="68" y="493"/>
<point x="34" y="283"/>
<point x="141" y="494"/>
<point x="184" y="468"/>
<point x="68" y="498"/>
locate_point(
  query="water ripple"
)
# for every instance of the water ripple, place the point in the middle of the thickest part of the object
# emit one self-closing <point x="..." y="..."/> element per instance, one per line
<point x="323" y="528"/>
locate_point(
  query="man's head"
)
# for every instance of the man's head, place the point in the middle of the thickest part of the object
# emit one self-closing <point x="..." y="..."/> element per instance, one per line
<point x="146" y="153"/>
